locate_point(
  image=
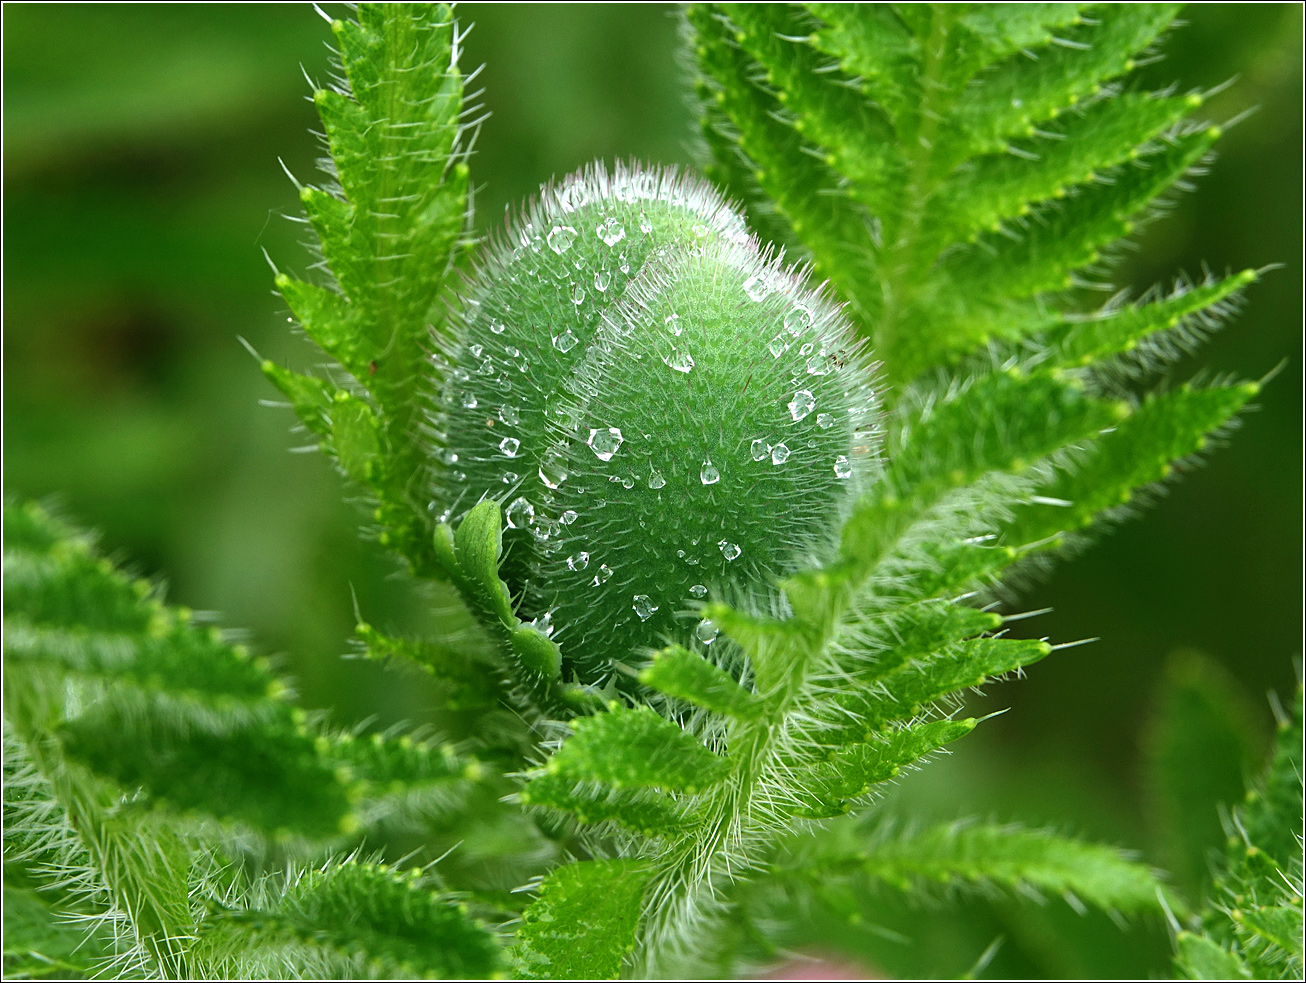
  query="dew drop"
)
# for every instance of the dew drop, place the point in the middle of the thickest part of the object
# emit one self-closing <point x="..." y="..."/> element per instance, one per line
<point x="542" y="527"/>
<point x="469" y="400"/>
<point x="777" y="346"/>
<point x="801" y="404"/>
<point x="655" y="480"/>
<point x="475" y="350"/>
<point x="566" y="341"/>
<point x="509" y="415"/>
<point x="760" y="449"/>
<point x="510" y="477"/>
<point x="673" y="324"/>
<point x="628" y="481"/>
<point x="498" y="327"/>
<point x="604" y="443"/>
<point x="729" y="550"/>
<point x="797" y="320"/>
<point x="485" y="368"/>
<point x="756" y="288"/>
<point x="698" y="590"/>
<point x="519" y="514"/>
<point x="578" y="562"/>
<point x="601" y="280"/>
<point x="560" y="238"/>
<point x="709" y="475"/>
<point x="611" y="231"/>
<point x="824" y="420"/>
<point x="818" y="364"/>
<point x="543" y="624"/>
<point x="512" y="351"/>
<point x="578" y="294"/>
<point x="680" y="361"/>
<point x="706" y="632"/>
<point x="842" y="467"/>
<point x="779" y="454"/>
<point x="568" y="517"/>
<point x="509" y="446"/>
<point x="551" y="472"/>
<point x="603" y="576"/>
<point x="643" y="606"/>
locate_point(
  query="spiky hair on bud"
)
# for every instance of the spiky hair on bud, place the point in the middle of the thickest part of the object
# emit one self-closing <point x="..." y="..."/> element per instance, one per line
<point x="662" y="406"/>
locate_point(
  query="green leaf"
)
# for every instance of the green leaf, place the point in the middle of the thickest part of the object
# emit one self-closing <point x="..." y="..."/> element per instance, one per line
<point x="643" y="811"/>
<point x="1201" y="958"/>
<point x="637" y="748"/>
<point x="906" y="692"/>
<point x="270" y="776"/>
<point x="827" y="788"/>
<point x="1140" y="450"/>
<point x="1018" y="858"/>
<point x="681" y="673"/>
<point x="1080" y="341"/>
<point x="40" y="943"/>
<point x="363" y="919"/>
<point x="582" y="925"/>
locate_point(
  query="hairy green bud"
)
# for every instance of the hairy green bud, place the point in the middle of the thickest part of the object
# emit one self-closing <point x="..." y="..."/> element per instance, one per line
<point x="663" y="409"/>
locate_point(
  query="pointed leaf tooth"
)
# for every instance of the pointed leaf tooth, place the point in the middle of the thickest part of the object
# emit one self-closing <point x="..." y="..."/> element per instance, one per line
<point x="854" y="134"/>
<point x="908" y="691"/>
<point x="1081" y="341"/>
<point x="686" y="675"/>
<point x="1003" y="422"/>
<point x="328" y="319"/>
<point x="637" y="748"/>
<point x="980" y="854"/>
<point x="466" y="678"/>
<point x="310" y="397"/>
<point x="1016" y="95"/>
<point x="1069" y="235"/>
<point x="874" y="46"/>
<point x="1069" y="150"/>
<point x="1139" y="451"/>
<point x="826" y="788"/>
<point x="641" y="810"/>
<point x="802" y="190"/>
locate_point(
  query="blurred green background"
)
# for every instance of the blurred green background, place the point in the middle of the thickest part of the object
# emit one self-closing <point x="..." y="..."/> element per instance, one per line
<point x="142" y="187"/>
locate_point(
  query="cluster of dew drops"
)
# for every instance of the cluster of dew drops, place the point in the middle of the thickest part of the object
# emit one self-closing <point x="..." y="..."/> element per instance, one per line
<point x="606" y="442"/>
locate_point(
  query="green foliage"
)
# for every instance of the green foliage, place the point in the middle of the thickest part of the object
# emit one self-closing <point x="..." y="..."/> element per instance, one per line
<point x="974" y="855"/>
<point x="132" y="737"/>
<point x="1251" y="926"/>
<point x="583" y="924"/>
<point x="727" y="584"/>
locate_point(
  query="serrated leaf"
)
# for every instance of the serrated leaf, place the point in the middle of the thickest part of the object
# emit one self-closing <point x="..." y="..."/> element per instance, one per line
<point x="363" y="918"/>
<point x="1201" y="958"/>
<point x="310" y="397"/>
<point x="637" y="748"/>
<point x="906" y="692"/>
<point x="681" y="673"/>
<point x="826" y="789"/>
<point x="1140" y="450"/>
<point x="1079" y="341"/>
<point x="268" y="775"/>
<point x="645" y="812"/>
<point x="582" y="925"/>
